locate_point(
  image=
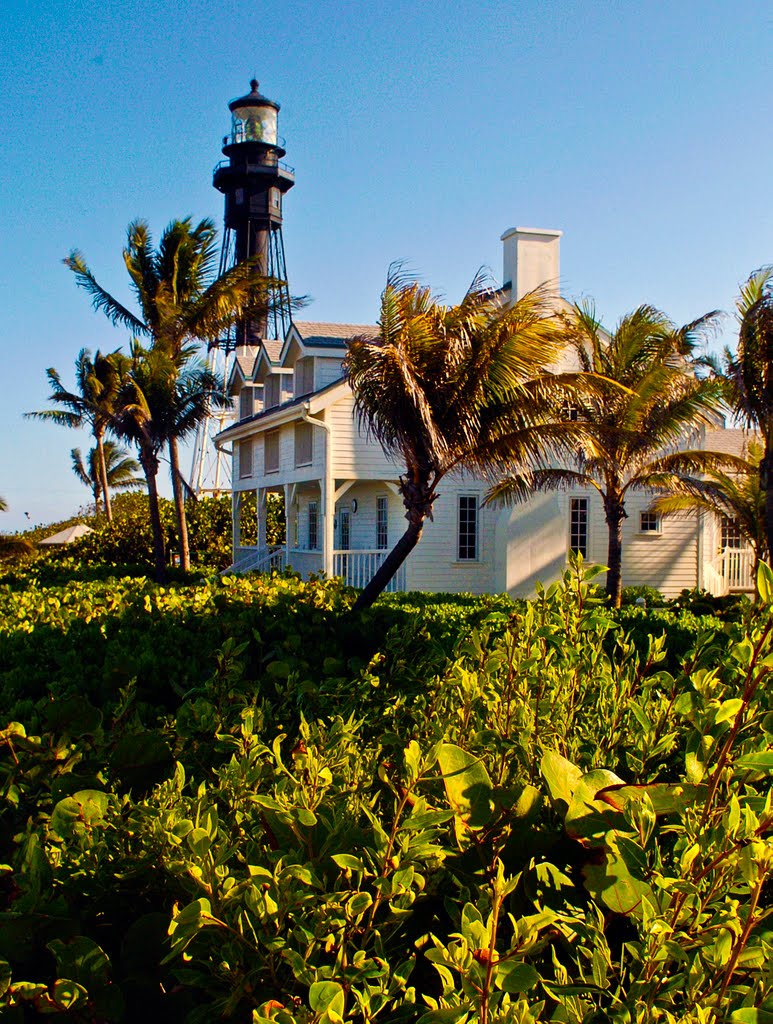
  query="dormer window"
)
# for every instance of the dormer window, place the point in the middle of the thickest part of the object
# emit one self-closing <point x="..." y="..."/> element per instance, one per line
<point x="272" y="390"/>
<point x="245" y="403"/>
<point x="304" y="377"/>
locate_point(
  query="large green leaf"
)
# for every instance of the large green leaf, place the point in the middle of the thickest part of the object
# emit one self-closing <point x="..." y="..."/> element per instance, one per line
<point x="562" y="778"/>
<point x="666" y="797"/>
<point x="468" y="789"/>
<point x="81" y="811"/>
<point x="587" y="818"/>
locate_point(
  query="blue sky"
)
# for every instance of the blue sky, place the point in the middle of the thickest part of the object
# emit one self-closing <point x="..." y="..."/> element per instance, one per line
<point x="418" y="131"/>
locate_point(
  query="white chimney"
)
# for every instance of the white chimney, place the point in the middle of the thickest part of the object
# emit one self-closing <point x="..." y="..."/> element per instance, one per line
<point x="530" y="257"/>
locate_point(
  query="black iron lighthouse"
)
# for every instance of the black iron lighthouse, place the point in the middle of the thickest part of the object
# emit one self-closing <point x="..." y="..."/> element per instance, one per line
<point x="254" y="180"/>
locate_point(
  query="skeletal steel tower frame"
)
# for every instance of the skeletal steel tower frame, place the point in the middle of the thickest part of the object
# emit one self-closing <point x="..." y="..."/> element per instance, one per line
<point x="253" y="180"/>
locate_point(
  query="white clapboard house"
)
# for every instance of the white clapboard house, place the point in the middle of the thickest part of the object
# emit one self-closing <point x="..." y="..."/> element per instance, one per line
<point x="296" y="435"/>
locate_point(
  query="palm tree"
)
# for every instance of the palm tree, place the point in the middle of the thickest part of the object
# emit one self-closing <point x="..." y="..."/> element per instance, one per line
<point x="162" y="397"/>
<point x="459" y="387"/>
<point x="733" y="492"/>
<point x="119" y="467"/>
<point x="98" y="382"/>
<point x="180" y="299"/>
<point x="749" y="375"/>
<point x="648" y="401"/>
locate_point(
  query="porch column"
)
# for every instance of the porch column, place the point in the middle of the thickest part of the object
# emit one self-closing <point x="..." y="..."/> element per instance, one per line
<point x="260" y="513"/>
<point x="288" y="524"/>
<point x="236" y="514"/>
<point x="328" y="525"/>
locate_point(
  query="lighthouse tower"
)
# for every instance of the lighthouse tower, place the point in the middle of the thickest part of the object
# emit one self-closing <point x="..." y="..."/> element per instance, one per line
<point x="254" y="181"/>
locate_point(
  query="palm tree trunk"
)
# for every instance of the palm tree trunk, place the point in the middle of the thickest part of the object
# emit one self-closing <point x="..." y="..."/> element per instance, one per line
<point x="179" y="504"/>
<point x="390" y="565"/>
<point x="149" y="464"/>
<point x="615" y="513"/>
<point x="418" y="498"/>
<point x="103" y="476"/>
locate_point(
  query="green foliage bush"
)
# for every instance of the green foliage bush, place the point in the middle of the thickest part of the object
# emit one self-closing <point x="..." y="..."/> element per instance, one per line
<point x="247" y="805"/>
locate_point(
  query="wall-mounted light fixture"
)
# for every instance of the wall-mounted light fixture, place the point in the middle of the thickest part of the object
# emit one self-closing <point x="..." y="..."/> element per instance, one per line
<point x="354" y="505"/>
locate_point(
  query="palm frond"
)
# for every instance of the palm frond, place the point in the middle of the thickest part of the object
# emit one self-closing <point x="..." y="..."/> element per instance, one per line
<point x="101" y="300"/>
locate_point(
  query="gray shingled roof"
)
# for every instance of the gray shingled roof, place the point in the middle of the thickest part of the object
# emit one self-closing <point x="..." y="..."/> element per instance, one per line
<point x="332" y="335"/>
<point x="273" y="349"/>
<point x="245" y="364"/>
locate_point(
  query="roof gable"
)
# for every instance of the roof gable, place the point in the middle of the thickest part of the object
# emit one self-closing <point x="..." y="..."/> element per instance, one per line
<point x="318" y="334"/>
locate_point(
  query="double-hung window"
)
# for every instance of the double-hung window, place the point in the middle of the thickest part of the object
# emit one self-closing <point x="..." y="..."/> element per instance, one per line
<point x="272" y="390"/>
<point x="271" y="452"/>
<point x="245" y="459"/>
<point x="304" y="440"/>
<point x="467" y="532"/>
<point x="245" y="403"/>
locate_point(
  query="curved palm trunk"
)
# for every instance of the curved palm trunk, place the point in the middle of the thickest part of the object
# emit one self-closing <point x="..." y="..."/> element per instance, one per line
<point x="149" y="463"/>
<point x="103" y="475"/>
<point x="179" y="504"/>
<point x="614" y="511"/>
<point x="418" y="498"/>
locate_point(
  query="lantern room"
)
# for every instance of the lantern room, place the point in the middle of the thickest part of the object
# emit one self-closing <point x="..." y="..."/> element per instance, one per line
<point x="254" y="118"/>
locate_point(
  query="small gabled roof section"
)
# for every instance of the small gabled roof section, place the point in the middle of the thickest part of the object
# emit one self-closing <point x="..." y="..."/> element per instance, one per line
<point x="287" y="411"/>
<point x="267" y="362"/>
<point x="316" y="334"/>
<point x="242" y="369"/>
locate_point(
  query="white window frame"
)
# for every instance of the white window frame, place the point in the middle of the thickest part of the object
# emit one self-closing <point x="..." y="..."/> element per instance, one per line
<point x="656" y="529"/>
<point x="475" y="557"/>
<point x="271" y="449"/>
<point x="382" y="522"/>
<point x="304" y="444"/>
<point x="586" y="505"/>
<point x="245" y="458"/>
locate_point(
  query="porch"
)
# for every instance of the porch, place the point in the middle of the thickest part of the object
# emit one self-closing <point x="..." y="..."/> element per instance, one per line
<point x="730" y="572"/>
<point x="356" y="568"/>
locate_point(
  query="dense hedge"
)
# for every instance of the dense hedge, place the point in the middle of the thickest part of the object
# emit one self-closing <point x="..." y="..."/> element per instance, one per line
<point x="237" y="801"/>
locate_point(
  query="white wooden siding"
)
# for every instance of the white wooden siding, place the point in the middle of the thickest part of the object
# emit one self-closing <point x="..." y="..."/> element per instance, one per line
<point x="353" y="454"/>
<point x="326" y="370"/>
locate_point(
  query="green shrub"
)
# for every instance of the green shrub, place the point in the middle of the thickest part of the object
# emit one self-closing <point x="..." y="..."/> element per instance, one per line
<point x="323" y="817"/>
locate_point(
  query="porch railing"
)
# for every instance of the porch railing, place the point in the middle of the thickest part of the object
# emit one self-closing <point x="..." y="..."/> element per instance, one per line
<point x="261" y="560"/>
<point x="357" y="568"/>
<point x="735" y="567"/>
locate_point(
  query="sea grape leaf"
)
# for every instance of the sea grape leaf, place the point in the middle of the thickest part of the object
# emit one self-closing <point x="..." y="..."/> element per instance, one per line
<point x="611" y="881"/>
<point x="81" y="960"/>
<point x="761" y="762"/>
<point x="468" y="789"/>
<point x="588" y="818"/>
<point x="666" y="797"/>
<point x="83" y="809"/>
<point x="327" y="998"/>
<point x="513" y="976"/>
<point x="562" y="778"/>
